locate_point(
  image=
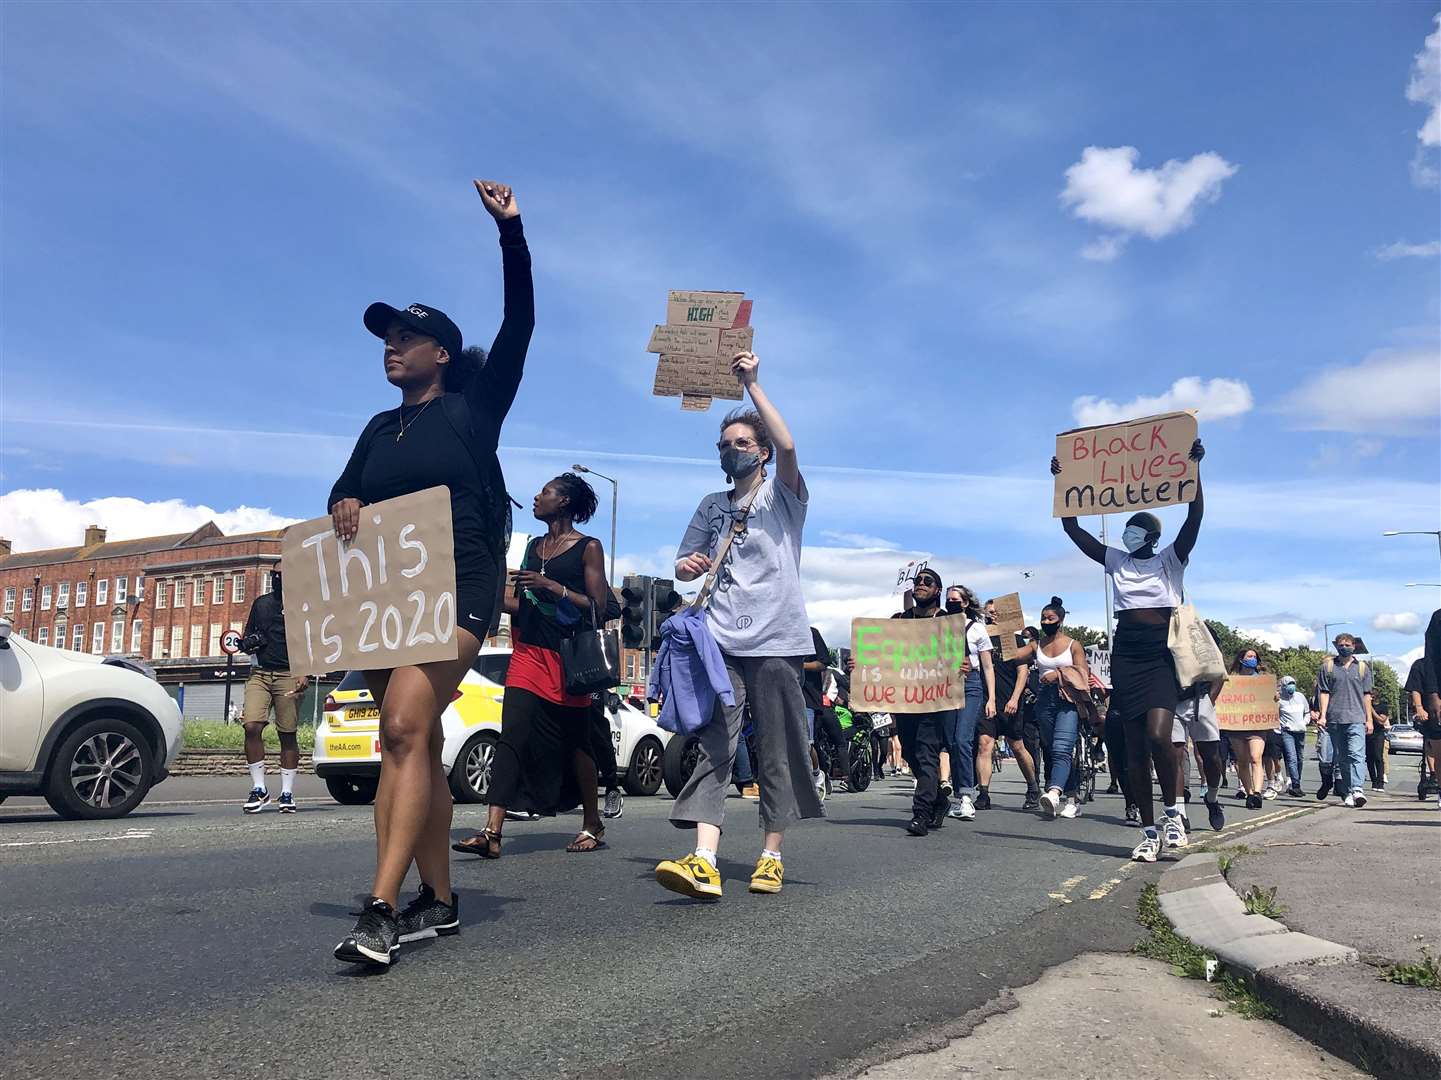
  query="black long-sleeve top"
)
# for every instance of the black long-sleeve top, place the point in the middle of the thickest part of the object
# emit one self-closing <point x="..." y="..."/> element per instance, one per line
<point x="267" y="617"/>
<point x="454" y="440"/>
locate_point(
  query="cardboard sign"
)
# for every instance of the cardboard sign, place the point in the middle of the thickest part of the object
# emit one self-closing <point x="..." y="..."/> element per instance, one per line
<point x="908" y="665"/>
<point x="702" y="333"/>
<point x="1126" y="467"/>
<point x="1010" y="621"/>
<point x="1099" y="661"/>
<point x="685" y="340"/>
<point x="384" y="600"/>
<point x="722" y="309"/>
<point x="1248" y="703"/>
<point x="694" y="403"/>
<point x="906" y="575"/>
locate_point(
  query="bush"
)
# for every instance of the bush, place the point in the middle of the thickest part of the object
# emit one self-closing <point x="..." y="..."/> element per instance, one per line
<point x="213" y="735"/>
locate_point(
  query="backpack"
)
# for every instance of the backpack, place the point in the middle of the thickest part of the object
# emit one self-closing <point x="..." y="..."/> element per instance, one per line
<point x="1330" y="666"/>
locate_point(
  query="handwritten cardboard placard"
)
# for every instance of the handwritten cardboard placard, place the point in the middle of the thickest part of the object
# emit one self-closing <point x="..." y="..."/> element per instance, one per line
<point x="1248" y="703"/>
<point x="1010" y="621"/>
<point x="906" y="575"/>
<point x="685" y="340"/>
<point x="1126" y="467"/>
<point x="694" y="403"/>
<point x="702" y="333"/>
<point x="384" y="600"/>
<point x="908" y="665"/>
<point x="722" y="309"/>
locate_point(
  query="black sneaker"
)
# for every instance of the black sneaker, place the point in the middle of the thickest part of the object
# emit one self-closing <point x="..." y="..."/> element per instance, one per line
<point x="1324" y="789"/>
<point x="256" y="801"/>
<point x="917" y="827"/>
<point x="1253" y="802"/>
<point x="1133" y="813"/>
<point x="1295" y="792"/>
<point x="1115" y="788"/>
<point x="1217" y="815"/>
<point x="938" y="814"/>
<point x="427" y="917"/>
<point x="983" y="799"/>
<point x="1033" y="800"/>
<point x="1185" y="794"/>
<point x="614" y="804"/>
<point x="375" y="938"/>
<point x="286" y="803"/>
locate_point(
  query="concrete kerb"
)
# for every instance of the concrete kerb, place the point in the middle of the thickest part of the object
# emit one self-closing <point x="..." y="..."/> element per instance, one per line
<point x="1307" y="981"/>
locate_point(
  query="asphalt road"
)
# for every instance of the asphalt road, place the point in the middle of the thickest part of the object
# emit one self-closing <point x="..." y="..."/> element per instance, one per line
<point x="197" y="941"/>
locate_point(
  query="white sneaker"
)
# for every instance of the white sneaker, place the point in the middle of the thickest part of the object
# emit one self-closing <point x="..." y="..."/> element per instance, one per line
<point x="1072" y="809"/>
<point x="1149" y="847"/>
<point x="954" y="811"/>
<point x="819" y="779"/>
<point x="1174" y="832"/>
<point x="968" y="809"/>
<point x="1360" y="800"/>
<point x="1050" y="804"/>
<point x="1350" y="800"/>
<point x="1269" y="793"/>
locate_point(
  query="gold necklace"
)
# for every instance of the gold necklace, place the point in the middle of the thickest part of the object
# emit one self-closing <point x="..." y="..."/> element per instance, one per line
<point x="400" y="412"/>
<point x="544" y="558"/>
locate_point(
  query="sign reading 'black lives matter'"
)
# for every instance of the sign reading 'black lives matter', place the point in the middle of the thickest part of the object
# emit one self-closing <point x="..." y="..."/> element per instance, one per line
<point x="1132" y="466"/>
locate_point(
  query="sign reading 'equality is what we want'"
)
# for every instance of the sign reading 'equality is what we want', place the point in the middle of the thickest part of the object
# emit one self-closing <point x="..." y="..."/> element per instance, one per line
<point x="908" y="665"/>
<point x="386" y="599"/>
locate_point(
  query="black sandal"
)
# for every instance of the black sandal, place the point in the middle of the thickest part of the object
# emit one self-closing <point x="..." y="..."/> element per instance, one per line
<point x="485" y="843"/>
<point x="597" y="841"/>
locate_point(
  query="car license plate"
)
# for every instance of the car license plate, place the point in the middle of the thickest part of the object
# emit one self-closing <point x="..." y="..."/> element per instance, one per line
<point x="368" y="712"/>
<point x="349" y="746"/>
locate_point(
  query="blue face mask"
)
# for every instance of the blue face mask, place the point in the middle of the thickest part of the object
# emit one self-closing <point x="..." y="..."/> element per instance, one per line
<point x="1345" y="650"/>
<point x="1250" y="663"/>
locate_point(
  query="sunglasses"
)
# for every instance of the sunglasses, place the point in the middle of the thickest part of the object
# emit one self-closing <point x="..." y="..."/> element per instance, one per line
<point x="738" y="444"/>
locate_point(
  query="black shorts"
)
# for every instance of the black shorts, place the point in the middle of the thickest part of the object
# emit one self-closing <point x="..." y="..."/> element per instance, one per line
<point x="1274" y="749"/>
<point x="1431" y="729"/>
<point x="477" y="602"/>
<point x="1002" y="726"/>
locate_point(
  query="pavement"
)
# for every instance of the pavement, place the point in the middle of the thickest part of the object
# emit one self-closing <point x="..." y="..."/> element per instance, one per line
<point x="1357" y="892"/>
<point x="197" y="939"/>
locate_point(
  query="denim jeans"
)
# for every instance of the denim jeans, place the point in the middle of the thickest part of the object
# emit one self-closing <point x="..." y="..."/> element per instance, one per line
<point x="1323" y="747"/>
<point x="1293" y="745"/>
<point x="961" y="738"/>
<point x="1059" y="726"/>
<point x="1348" y="745"/>
<point x="743" y="772"/>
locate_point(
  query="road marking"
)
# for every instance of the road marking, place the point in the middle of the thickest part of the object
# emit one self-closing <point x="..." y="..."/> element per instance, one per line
<point x="128" y="834"/>
<point x="1240" y="827"/>
<point x="1065" y="888"/>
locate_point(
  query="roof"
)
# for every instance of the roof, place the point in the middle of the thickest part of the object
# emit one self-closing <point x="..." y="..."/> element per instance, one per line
<point x="123" y="549"/>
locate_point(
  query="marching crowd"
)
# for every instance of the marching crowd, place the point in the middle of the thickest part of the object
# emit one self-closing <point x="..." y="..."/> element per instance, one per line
<point x="744" y="649"/>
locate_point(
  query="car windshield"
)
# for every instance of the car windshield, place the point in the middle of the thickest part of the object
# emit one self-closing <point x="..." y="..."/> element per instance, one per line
<point x="354" y="680"/>
<point x="492" y="666"/>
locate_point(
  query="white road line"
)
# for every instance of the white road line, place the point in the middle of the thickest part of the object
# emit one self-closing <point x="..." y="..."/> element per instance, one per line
<point x="128" y="834"/>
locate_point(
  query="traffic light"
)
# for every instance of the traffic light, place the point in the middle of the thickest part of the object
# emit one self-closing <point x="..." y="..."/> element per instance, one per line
<point x="664" y="600"/>
<point x="635" y="596"/>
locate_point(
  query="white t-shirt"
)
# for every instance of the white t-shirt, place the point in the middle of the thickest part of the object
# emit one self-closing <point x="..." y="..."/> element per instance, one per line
<point x="1145" y="583"/>
<point x="1295" y="712"/>
<point x="978" y="638"/>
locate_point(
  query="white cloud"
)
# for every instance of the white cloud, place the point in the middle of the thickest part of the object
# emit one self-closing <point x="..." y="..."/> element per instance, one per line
<point x="1401" y="622"/>
<point x="37" y="518"/>
<point x="1282" y="635"/>
<point x="1107" y="189"/>
<point x="1395" y="390"/>
<point x="1402" y="250"/>
<point x="1425" y="86"/>
<point x="860" y="540"/>
<point x="1213" y="399"/>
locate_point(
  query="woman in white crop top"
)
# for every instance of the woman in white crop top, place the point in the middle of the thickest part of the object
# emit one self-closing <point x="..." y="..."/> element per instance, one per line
<point x="1147" y="585"/>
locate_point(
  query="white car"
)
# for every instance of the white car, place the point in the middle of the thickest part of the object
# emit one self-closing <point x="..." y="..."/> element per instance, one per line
<point x="92" y="734"/>
<point x="347" y="741"/>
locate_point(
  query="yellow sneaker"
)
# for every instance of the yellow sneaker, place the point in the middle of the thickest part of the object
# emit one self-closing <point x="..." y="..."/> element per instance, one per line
<point x="691" y="876"/>
<point x="767" y="878"/>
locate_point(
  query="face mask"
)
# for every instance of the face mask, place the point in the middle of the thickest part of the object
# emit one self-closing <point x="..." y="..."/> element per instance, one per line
<point x="1134" y="537"/>
<point x="1048" y="629"/>
<point x="738" y="464"/>
<point x="955" y="607"/>
<point x="1287" y="691"/>
<point x="1345" y="650"/>
<point x="1250" y="663"/>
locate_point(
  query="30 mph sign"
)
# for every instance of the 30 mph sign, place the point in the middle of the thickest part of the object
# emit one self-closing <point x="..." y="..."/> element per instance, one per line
<point x="230" y="642"/>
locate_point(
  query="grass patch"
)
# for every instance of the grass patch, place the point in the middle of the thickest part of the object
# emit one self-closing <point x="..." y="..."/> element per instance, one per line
<point x="213" y="735"/>
<point x="1188" y="961"/>
<point x="1226" y="857"/>
<point x="1426" y="972"/>
<point x="1261" y="901"/>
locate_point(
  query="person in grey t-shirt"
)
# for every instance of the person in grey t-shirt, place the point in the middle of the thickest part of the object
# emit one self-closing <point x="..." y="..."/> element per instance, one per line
<point x="1343" y="687"/>
<point x="758" y="617"/>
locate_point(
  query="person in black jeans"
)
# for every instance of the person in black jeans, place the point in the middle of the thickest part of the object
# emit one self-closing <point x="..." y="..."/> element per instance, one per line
<point x="826" y="726"/>
<point x="1376" y="747"/>
<point x="602" y="749"/>
<point x="923" y="733"/>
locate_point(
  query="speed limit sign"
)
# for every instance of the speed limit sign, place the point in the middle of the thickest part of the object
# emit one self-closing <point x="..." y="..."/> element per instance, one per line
<point x="230" y="642"/>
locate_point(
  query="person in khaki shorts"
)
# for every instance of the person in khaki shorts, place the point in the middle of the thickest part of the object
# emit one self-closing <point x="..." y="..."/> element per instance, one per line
<point x="270" y="686"/>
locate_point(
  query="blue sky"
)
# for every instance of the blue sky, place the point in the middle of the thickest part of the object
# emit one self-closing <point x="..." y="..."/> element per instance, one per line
<point x="200" y="200"/>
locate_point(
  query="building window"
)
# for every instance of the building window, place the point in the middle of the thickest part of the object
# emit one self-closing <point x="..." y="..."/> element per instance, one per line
<point x="179" y="593"/>
<point x="135" y="636"/>
<point x="122" y="589"/>
<point x="9" y="599"/>
<point x="139" y="588"/>
<point x="198" y="592"/>
<point x="82" y="593"/>
<point x="195" y="632"/>
<point x="27" y="598"/>
<point x="177" y="640"/>
<point x="237" y="590"/>
<point x="97" y="639"/>
<point x="62" y="600"/>
<point x="102" y="592"/>
<point x="161" y="594"/>
<point x="44" y="637"/>
<point x="22" y="632"/>
<point x="214" y="649"/>
<point x="77" y="638"/>
<point x="117" y="636"/>
<point x="265" y="582"/>
<point x="45" y="598"/>
<point x="157" y="643"/>
<point x="217" y="590"/>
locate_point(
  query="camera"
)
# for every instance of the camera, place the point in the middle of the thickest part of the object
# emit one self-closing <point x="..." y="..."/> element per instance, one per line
<point x="253" y="642"/>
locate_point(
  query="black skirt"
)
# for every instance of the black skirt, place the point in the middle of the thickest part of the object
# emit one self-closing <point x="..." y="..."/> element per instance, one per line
<point x="535" y="759"/>
<point x="1143" y="674"/>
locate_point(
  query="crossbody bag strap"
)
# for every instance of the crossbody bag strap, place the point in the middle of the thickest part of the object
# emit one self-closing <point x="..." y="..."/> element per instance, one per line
<point x="738" y="526"/>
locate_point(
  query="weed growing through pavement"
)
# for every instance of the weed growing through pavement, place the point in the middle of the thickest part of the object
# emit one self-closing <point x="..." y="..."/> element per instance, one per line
<point x="1188" y="961"/>
<point x="1426" y="972"/>
<point x="1261" y="901"/>
<point x="1226" y="857"/>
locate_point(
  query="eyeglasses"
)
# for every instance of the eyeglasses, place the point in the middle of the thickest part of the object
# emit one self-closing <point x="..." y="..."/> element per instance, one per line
<point x="739" y="444"/>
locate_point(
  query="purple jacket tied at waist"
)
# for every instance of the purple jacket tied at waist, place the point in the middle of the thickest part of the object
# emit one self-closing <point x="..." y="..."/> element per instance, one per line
<point x="688" y="675"/>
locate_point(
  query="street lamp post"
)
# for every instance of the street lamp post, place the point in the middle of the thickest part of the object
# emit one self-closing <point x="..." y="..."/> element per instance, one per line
<point x="34" y="604"/>
<point x="1417" y="532"/>
<point x="1326" y="631"/>
<point x="614" y="506"/>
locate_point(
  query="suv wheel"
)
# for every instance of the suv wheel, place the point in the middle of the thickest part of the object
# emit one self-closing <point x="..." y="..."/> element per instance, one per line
<point x="352" y="790"/>
<point x="102" y="769"/>
<point x="470" y="775"/>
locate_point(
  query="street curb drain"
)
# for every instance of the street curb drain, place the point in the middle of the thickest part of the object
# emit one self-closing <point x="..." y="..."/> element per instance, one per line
<point x="1294" y="973"/>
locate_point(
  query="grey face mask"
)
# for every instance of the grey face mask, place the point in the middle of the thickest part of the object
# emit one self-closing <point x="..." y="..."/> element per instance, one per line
<point x="738" y="464"/>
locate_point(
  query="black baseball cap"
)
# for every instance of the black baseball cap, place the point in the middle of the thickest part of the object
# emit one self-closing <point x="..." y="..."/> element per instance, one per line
<point x="421" y="318"/>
